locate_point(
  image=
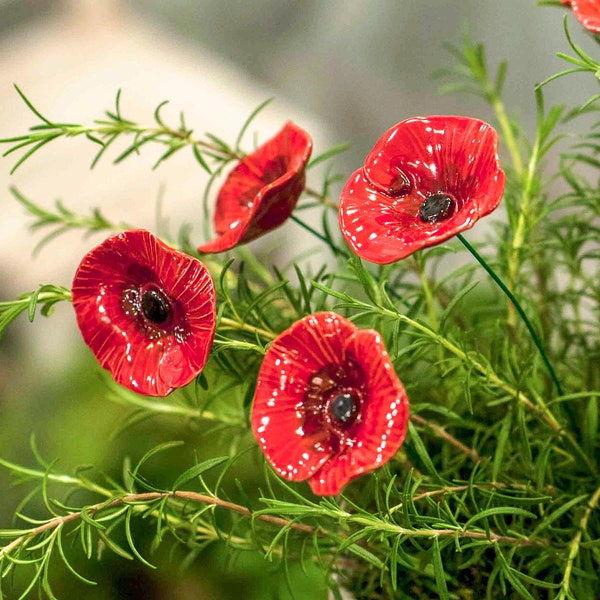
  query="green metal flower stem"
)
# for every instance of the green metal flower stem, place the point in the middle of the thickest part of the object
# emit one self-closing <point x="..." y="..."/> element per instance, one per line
<point x="518" y="307"/>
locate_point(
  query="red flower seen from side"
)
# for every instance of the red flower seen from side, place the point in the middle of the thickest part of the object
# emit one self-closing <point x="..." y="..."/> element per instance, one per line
<point x="262" y="190"/>
<point x="328" y="404"/>
<point x="147" y="311"/>
<point x="425" y="180"/>
<point x="587" y="12"/>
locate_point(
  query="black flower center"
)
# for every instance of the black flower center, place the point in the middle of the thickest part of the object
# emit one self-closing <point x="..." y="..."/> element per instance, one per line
<point x="343" y="407"/>
<point x="333" y="403"/>
<point x="435" y="208"/>
<point x="155" y="306"/>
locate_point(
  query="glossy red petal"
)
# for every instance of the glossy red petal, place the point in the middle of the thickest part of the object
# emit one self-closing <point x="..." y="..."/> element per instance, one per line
<point x="149" y="357"/>
<point x="414" y="160"/>
<point x="384" y="417"/>
<point x="277" y="413"/>
<point x="262" y="190"/>
<point x="587" y="12"/>
<point x="296" y="429"/>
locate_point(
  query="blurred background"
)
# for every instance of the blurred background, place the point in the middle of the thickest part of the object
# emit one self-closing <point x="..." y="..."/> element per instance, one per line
<point x="345" y="70"/>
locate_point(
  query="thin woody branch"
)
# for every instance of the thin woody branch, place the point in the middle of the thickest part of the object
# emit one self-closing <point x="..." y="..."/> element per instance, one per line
<point x="150" y="497"/>
<point x="279" y="522"/>
<point x="444" y="435"/>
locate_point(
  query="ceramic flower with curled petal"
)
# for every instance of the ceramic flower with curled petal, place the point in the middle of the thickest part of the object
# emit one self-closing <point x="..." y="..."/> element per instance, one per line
<point x="262" y="190"/>
<point x="425" y="180"/>
<point x="328" y="404"/>
<point x="147" y="311"/>
<point x="587" y="12"/>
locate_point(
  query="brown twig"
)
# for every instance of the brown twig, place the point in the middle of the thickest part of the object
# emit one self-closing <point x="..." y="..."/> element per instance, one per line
<point x="146" y="497"/>
<point x="478" y="486"/>
<point x="149" y="497"/>
<point x="443" y="434"/>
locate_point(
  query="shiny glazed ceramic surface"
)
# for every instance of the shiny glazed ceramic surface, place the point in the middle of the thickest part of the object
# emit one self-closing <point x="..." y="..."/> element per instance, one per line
<point x="328" y="404"/>
<point x="262" y="190"/>
<point x="147" y="311"/>
<point x="381" y="206"/>
<point x="587" y="12"/>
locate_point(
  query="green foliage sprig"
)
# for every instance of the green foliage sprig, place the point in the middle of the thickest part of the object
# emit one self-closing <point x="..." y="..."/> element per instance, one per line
<point x="495" y="491"/>
<point x="45" y="297"/>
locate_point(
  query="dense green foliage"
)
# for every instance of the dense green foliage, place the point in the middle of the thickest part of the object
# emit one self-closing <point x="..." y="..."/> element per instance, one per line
<point x="496" y="489"/>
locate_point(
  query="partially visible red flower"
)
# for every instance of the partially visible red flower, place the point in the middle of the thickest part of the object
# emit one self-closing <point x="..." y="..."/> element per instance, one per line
<point x="328" y="404"/>
<point x="587" y="12"/>
<point x="425" y="180"/>
<point x="262" y="190"/>
<point x="147" y="311"/>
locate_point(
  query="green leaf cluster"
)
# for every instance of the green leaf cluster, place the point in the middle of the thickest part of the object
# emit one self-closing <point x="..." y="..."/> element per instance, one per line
<point x="496" y="488"/>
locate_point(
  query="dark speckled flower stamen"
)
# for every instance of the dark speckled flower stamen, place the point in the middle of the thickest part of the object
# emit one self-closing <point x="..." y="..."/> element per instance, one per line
<point x="156" y="306"/>
<point x="343" y="408"/>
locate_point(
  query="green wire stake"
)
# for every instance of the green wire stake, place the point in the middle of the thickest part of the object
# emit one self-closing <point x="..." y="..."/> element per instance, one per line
<point x="511" y="297"/>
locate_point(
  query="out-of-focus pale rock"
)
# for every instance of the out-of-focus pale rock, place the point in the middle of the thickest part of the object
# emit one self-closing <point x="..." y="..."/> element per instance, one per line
<point x="70" y="64"/>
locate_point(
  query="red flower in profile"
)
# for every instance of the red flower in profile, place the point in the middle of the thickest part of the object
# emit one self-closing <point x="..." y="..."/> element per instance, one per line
<point x="587" y="12"/>
<point x="328" y="404"/>
<point x="425" y="180"/>
<point x="262" y="190"/>
<point x="147" y="311"/>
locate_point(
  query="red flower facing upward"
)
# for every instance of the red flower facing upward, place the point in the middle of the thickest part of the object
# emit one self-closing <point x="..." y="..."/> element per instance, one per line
<point x="587" y="12"/>
<point x="262" y="190"/>
<point x="328" y="404"/>
<point x="147" y="312"/>
<point x="425" y="180"/>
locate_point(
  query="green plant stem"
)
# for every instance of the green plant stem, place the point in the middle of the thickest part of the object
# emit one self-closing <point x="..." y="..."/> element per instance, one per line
<point x="488" y="373"/>
<point x="323" y="200"/>
<point x="517" y="305"/>
<point x="515" y="154"/>
<point x="575" y="545"/>
<point x="241" y="326"/>
<point x="42" y="297"/>
<point x="519" y="235"/>
<point x="386" y="526"/>
<point x="506" y="128"/>
<point x="54" y="477"/>
<point x="540" y="408"/>
<point x="462" y="488"/>
<point x="443" y="434"/>
<point x="435" y="324"/>
<point x="154" y="405"/>
<point x="144" y="498"/>
<point x="336" y="251"/>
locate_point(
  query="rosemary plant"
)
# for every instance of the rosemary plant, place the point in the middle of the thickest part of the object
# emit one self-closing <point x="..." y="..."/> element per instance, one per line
<point x="496" y="489"/>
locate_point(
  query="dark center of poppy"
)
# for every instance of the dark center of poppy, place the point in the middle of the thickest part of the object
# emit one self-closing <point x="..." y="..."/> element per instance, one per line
<point x="343" y="407"/>
<point x="435" y="208"/>
<point x="333" y="403"/>
<point x="155" y="306"/>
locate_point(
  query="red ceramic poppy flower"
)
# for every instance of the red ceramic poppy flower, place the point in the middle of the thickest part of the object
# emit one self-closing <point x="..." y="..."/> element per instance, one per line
<point x="328" y="404"/>
<point x="147" y="312"/>
<point x="425" y="180"/>
<point x="262" y="190"/>
<point x="587" y="12"/>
